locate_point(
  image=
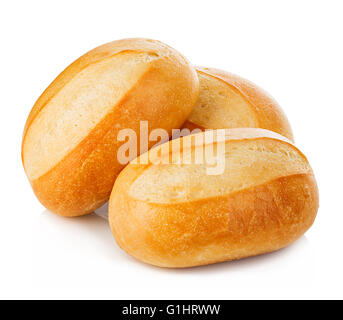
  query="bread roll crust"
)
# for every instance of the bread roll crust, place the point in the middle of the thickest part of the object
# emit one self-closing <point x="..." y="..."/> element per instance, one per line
<point x="250" y="221"/>
<point x="80" y="179"/>
<point x="244" y="105"/>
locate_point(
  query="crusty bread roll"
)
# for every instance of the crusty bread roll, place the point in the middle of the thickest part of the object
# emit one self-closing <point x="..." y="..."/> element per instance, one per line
<point x="175" y="215"/>
<point x="229" y="101"/>
<point x="69" y="148"/>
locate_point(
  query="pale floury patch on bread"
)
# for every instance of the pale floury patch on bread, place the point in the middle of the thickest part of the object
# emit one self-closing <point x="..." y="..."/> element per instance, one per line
<point x="246" y="164"/>
<point x="74" y="111"/>
<point x="229" y="101"/>
<point x="70" y="143"/>
<point x="174" y="215"/>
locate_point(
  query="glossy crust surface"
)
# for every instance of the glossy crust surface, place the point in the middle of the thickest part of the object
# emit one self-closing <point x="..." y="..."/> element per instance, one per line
<point x="261" y="213"/>
<point x="70" y="145"/>
<point x="229" y="101"/>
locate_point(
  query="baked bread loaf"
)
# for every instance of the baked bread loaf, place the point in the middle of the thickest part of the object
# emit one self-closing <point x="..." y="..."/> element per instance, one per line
<point x="176" y="215"/>
<point x="229" y="101"/>
<point x="69" y="148"/>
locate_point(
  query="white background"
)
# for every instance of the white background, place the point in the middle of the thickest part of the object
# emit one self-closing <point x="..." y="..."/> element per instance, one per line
<point x="293" y="49"/>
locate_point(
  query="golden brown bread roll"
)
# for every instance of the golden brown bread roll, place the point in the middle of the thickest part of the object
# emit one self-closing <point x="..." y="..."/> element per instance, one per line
<point x="69" y="148"/>
<point x="229" y="101"/>
<point x="176" y="215"/>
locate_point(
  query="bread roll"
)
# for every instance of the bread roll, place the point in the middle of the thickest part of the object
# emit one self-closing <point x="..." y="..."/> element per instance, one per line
<point x="69" y="148"/>
<point x="175" y="215"/>
<point x="229" y="101"/>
